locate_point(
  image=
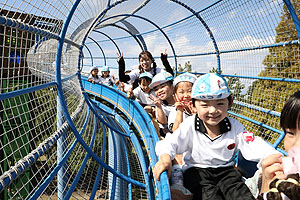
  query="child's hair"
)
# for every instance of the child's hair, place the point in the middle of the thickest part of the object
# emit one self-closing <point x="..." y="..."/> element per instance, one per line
<point x="149" y="55"/>
<point x="290" y="114"/>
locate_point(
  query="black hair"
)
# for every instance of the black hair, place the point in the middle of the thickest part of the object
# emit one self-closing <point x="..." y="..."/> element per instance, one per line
<point x="290" y="112"/>
<point x="230" y="98"/>
<point x="169" y="83"/>
<point x="149" y="55"/>
<point x="146" y="78"/>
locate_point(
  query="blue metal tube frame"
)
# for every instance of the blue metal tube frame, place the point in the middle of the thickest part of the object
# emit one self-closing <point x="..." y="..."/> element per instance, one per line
<point x="80" y="171"/>
<point x="99" y="172"/>
<point x="294" y="16"/>
<point x="53" y="173"/>
<point x="109" y="39"/>
<point x="90" y="54"/>
<point x="62" y="98"/>
<point x="207" y="29"/>
<point x="137" y="16"/>
<point x="267" y="111"/>
<point x="100" y="49"/>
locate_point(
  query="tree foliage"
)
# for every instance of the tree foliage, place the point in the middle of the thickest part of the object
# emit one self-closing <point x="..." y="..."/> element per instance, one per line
<point x="281" y="62"/>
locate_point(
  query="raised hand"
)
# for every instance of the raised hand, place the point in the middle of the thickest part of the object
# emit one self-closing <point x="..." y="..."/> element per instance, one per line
<point x="120" y="56"/>
<point x="156" y="100"/>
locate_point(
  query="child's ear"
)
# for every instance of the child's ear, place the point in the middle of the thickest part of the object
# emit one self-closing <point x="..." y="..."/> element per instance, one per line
<point x="230" y="102"/>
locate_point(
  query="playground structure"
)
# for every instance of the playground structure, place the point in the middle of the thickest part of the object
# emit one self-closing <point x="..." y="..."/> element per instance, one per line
<point x="64" y="138"/>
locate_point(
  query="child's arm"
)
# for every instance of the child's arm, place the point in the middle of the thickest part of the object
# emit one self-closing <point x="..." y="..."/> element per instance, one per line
<point x="164" y="60"/>
<point x="164" y="163"/>
<point x="161" y="116"/>
<point x="271" y="168"/>
<point x="122" y="76"/>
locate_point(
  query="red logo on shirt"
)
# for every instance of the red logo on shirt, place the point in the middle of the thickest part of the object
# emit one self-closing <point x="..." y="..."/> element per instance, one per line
<point x="231" y="146"/>
<point x="248" y="136"/>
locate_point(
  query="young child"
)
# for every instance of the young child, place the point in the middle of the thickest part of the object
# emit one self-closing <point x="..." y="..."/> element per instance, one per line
<point x="209" y="142"/>
<point x="183" y="100"/>
<point x="93" y="77"/>
<point x="105" y="78"/>
<point x="143" y="92"/>
<point x="146" y="64"/>
<point x="274" y="166"/>
<point x="162" y="84"/>
<point x="183" y="108"/>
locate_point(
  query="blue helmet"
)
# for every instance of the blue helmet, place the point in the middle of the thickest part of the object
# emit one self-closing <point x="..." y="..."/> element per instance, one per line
<point x="187" y="77"/>
<point x="105" y="69"/>
<point x="160" y="78"/>
<point x="210" y="87"/>
<point x="146" y="74"/>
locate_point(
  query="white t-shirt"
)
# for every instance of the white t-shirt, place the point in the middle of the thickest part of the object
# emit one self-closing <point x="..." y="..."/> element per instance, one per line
<point x="199" y="150"/>
<point x="172" y="117"/>
<point x="97" y="80"/>
<point x="134" y="74"/>
<point x="107" y="81"/>
<point x="143" y="97"/>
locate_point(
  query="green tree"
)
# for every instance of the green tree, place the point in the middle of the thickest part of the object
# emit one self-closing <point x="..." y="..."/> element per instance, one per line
<point x="281" y="62"/>
<point x="186" y="68"/>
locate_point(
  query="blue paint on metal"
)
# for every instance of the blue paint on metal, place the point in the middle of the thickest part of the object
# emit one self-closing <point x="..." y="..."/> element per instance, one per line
<point x="294" y="16"/>
<point x="207" y="29"/>
<point x="92" y="60"/>
<point x="110" y="40"/>
<point x="137" y="16"/>
<point x="267" y="111"/>
<point x="100" y="49"/>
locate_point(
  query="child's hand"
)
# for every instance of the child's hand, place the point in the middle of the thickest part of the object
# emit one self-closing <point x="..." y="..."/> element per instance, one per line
<point x="120" y="56"/>
<point x="164" y="163"/>
<point x="156" y="100"/>
<point x="271" y="168"/>
<point x="130" y="93"/>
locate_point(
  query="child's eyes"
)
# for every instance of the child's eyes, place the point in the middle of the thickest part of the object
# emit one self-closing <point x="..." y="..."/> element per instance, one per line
<point x="289" y="133"/>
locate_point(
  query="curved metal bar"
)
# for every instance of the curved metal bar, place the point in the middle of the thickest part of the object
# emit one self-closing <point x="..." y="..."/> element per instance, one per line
<point x="109" y="39"/>
<point x="137" y="39"/>
<point x="135" y="31"/>
<point x="206" y="27"/>
<point x="90" y="54"/>
<point x="137" y="16"/>
<point x="63" y="101"/>
<point x="100" y="49"/>
<point x="293" y="15"/>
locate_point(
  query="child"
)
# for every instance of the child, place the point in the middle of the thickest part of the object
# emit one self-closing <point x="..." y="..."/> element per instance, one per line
<point x="93" y="77"/>
<point x="142" y="93"/>
<point x="162" y="84"/>
<point x="273" y="166"/>
<point x="183" y="108"/>
<point x="183" y="96"/>
<point x="105" y="78"/>
<point x="147" y="64"/>
<point x="209" y="142"/>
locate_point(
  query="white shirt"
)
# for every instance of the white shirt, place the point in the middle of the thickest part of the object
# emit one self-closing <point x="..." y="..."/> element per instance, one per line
<point x="143" y="97"/>
<point x="96" y="80"/>
<point x="107" y="81"/>
<point x="199" y="150"/>
<point x="134" y="74"/>
<point x="172" y="117"/>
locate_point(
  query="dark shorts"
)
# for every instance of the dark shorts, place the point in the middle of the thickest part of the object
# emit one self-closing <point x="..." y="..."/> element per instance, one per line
<point x="216" y="183"/>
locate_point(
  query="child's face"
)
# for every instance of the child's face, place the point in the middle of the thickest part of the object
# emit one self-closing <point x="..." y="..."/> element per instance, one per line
<point x="163" y="91"/>
<point x="292" y="138"/>
<point x="105" y="74"/>
<point x="184" y="91"/>
<point x="144" y="84"/>
<point x="212" y="112"/>
<point x="145" y="63"/>
<point x="95" y="72"/>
